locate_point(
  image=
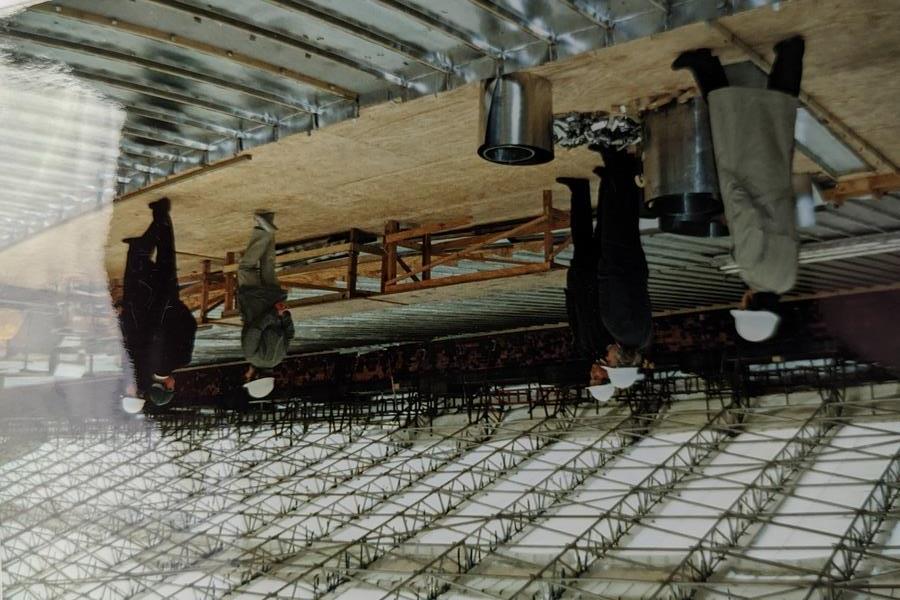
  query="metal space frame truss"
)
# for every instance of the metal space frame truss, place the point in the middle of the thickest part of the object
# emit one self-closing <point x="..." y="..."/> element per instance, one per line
<point x="306" y="508"/>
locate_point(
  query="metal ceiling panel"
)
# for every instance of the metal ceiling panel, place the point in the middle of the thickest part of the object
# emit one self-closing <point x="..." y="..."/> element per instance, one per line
<point x="470" y="16"/>
<point x="379" y="61"/>
<point x="183" y="24"/>
<point x="230" y="75"/>
<point x="147" y="51"/>
<point x="404" y="28"/>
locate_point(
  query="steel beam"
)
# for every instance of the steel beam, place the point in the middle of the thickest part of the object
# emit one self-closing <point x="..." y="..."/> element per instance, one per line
<point x="194" y="45"/>
<point x="301" y="472"/>
<point x="132" y="147"/>
<point x="283" y="38"/>
<point x="174" y="118"/>
<point x="166" y="137"/>
<point x="715" y="545"/>
<point x="469" y="39"/>
<point x="855" y="246"/>
<point x="195" y="541"/>
<point x="168" y="505"/>
<point x="330" y="516"/>
<point x="450" y="566"/>
<point x="515" y="19"/>
<point x="119" y="529"/>
<point x="159" y="67"/>
<point x="143" y="168"/>
<point x="840" y="568"/>
<point x="605" y="533"/>
<point x="364" y="32"/>
<point x="181" y="98"/>
<point x="589" y="12"/>
<point x="338" y="566"/>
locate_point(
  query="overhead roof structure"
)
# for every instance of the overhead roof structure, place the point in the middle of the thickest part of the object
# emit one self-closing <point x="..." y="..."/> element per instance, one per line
<point x="700" y="493"/>
<point x="190" y="76"/>
<point x="202" y="81"/>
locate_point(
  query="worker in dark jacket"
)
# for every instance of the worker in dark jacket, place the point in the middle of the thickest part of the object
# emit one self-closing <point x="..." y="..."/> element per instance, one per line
<point x="606" y="288"/>
<point x="268" y="327"/>
<point x="753" y="138"/>
<point x="158" y="329"/>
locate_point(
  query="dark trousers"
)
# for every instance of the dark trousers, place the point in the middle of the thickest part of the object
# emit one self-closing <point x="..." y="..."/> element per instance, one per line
<point x="150" y="284"/>
<point x="615" y="243"/>
<point x="612" y="254"/>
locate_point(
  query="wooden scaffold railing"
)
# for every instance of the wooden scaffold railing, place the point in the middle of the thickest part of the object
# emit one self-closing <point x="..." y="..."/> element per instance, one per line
<point x="466" y="243"/>
<point x="335" y="263"/>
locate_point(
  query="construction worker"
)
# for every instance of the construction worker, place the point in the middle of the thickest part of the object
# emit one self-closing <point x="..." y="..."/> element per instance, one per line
<point x="753" y="138"/>
<point x="158" y="329"/>
<point x="267" y="324"/>
<point x="606" y="287"/>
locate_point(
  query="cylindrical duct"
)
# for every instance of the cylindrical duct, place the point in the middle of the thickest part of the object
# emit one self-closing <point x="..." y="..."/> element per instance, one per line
<point x="516" y="117"/>
<point x="680" y="169"/>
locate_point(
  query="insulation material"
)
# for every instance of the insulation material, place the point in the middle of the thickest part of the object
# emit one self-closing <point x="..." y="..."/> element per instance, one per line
<point x="575" y="129"/>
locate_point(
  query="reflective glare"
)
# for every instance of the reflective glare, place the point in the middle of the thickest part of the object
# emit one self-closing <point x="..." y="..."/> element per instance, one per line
<point x="57" y="323"/>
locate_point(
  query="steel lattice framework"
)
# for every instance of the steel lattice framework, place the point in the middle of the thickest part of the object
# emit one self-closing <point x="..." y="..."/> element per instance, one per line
<point x="684" y="488"/>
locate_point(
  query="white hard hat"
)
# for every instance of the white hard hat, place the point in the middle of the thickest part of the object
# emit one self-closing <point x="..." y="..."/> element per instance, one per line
<point x="755" y="325"/>
<point x="132" y="404"/>
<point x="603" y="392"/>
<point x="260" y="388"/>
<point x="623" y="377"/>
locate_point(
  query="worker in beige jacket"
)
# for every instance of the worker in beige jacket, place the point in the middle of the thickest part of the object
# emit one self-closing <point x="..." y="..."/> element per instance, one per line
<point x="753" y="138"/>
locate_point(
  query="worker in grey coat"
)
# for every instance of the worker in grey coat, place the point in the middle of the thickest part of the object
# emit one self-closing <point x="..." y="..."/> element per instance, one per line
<point x="753" y="138"/>
<point x="268" y="326"/>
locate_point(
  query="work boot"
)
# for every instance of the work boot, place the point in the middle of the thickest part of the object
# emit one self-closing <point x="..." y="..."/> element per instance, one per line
<point x="709" y="75"/>
<point x="691" y="59"/>
<point x="610" y="155"/>
<point x="576" y="185"/>
<point x="163" y="205"/>
<point x="787" y="70"/>
<point x="615" y="160"/>
<point x="265" y="219"/>
<point x="792" y="44"/>
<point x="139" y="244"/>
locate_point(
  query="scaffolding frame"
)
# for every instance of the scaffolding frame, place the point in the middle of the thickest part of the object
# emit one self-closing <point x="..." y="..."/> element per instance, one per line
<point x="289" y="502"/>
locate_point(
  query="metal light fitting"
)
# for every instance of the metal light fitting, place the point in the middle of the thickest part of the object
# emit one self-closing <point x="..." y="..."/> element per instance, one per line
<point x="516" y="119"/>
